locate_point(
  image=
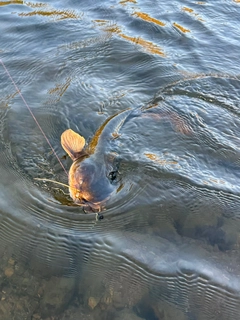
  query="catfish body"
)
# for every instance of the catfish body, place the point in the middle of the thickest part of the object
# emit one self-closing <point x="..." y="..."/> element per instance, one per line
<point x="92" y="175"/>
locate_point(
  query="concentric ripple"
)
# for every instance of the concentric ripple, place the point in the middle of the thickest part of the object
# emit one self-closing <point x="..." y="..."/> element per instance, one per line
<point x="168" y="243"/>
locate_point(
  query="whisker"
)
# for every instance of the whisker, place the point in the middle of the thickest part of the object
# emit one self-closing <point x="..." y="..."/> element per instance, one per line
<point x="62" y="184"/>
<point x="53" y="181"/>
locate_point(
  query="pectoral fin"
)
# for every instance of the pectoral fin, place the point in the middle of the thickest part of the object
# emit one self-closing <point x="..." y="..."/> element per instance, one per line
<point x="72" y="143"/>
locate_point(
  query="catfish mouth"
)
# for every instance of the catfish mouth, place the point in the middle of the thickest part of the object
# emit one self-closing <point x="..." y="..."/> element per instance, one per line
<point x="88" y="201"/>
<point x="91" y="207"/>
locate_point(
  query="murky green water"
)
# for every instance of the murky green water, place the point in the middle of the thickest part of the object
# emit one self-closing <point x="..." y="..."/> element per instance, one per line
<point x="168" y="246"/>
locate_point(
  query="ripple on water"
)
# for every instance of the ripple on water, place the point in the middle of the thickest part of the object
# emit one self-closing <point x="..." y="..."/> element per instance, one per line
<point x="171" y="230"/>
<point x="30" y="160"/>
<point x="192" y="281"/>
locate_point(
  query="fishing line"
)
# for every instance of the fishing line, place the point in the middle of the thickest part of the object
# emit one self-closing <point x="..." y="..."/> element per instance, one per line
<point x="34" y="118"/>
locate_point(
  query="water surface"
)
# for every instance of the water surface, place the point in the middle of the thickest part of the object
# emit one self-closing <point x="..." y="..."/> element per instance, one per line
<point x="168" y="246"/>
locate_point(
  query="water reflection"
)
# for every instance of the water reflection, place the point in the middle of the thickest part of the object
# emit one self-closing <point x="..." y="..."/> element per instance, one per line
<point x="181" y="28"/>
<point x="147" y="45"/>
<point x="5" y="3"/>
<point x="146" y="17"/>
<point x="45" y="10"/>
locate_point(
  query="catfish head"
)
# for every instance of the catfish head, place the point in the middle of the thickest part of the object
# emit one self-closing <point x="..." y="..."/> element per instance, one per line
<point x="90" y="177"/>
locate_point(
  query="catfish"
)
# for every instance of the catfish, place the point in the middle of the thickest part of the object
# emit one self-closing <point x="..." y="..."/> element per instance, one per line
<point x="91" y="175"/>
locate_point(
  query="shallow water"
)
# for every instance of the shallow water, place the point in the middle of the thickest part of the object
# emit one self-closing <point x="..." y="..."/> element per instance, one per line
<point x="168" y="246"/>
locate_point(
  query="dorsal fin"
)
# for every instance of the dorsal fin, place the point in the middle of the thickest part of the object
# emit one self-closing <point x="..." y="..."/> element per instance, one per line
<point x="72" y="143"/>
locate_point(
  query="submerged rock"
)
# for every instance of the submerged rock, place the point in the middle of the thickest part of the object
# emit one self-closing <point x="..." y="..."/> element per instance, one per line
<point x="127" y="314"/>
<point x="57" y="294"/>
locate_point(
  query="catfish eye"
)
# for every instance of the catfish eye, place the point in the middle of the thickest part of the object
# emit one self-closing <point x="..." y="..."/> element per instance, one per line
<point x="112" y="175"/>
